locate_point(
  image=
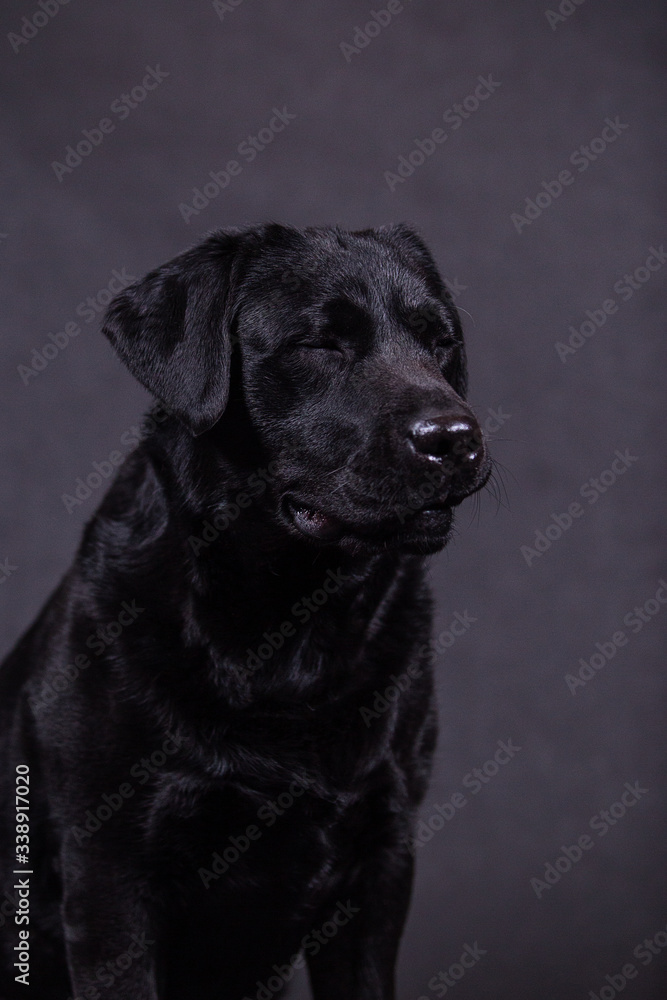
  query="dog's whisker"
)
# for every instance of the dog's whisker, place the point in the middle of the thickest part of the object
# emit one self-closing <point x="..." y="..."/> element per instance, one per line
<point x="461" y="309"/>
<point x="496" y="486"/>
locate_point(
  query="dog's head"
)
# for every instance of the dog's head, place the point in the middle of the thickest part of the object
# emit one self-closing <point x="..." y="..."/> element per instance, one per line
<point x="345" y="357"/>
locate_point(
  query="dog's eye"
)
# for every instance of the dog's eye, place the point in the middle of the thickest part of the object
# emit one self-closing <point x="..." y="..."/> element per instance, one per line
<point x="443" y="348"/>
<point x="328" y="346"/>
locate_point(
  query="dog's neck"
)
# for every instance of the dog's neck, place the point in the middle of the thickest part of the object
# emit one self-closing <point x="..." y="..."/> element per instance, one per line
<point x="251" y="631"/>
<point x="247" y="572"/>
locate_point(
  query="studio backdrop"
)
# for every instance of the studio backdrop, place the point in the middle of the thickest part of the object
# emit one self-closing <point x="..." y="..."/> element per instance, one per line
<point x="524" y="141"/>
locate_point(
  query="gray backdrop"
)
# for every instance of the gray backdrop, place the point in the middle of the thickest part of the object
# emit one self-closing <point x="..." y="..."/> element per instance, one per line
<point x="528" y="275"/>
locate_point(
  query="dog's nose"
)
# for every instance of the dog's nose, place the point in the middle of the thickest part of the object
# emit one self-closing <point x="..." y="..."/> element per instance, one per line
<point x="455" y="439"/>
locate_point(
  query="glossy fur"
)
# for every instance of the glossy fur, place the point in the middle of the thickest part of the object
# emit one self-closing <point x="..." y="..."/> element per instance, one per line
<point x="261" y="554"/>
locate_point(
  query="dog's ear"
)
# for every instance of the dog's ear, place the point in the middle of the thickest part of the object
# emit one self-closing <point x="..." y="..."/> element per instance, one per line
<point x="172" y="330"/>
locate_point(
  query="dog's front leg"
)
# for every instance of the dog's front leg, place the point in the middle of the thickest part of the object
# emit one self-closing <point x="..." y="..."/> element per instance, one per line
<point x="357" y="960"/>
<point x="109" y="938"/>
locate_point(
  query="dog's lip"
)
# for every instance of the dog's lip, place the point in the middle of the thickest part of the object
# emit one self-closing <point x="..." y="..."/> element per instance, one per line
<point x="313" y="522"/>
<point x="433" y="507"/>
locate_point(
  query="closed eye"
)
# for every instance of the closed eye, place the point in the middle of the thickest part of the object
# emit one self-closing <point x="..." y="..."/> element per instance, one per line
<point x="328" y="345"/>
<point x="443" y="347"/>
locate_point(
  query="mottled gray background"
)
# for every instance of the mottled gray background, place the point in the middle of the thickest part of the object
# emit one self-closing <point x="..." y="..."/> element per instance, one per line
<point x="520" y="291"/>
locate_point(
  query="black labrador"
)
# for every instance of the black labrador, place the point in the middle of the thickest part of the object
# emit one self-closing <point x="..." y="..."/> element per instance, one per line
<point x="222" y="721"/>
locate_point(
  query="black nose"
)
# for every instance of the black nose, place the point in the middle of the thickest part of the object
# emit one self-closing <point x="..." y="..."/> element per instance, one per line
<point x="451" y="439"/>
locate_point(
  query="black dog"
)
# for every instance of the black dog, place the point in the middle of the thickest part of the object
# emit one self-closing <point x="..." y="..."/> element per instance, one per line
<point x="213" y="791"/>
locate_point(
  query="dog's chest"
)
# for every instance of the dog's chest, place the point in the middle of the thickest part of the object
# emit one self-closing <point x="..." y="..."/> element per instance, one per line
<point x="243" y="848"/>
<point x="293" y="823"/>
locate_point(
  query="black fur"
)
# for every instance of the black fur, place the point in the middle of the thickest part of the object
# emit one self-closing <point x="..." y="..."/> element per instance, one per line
<point x="256" y="574"/>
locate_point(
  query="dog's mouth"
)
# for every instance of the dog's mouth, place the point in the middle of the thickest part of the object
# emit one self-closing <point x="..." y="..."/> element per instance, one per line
<point x="314" y="523"/>
<point x="430" y="518"/>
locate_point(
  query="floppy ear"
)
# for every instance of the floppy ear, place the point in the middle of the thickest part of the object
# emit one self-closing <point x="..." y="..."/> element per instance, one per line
<point x="172" y="330"/>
